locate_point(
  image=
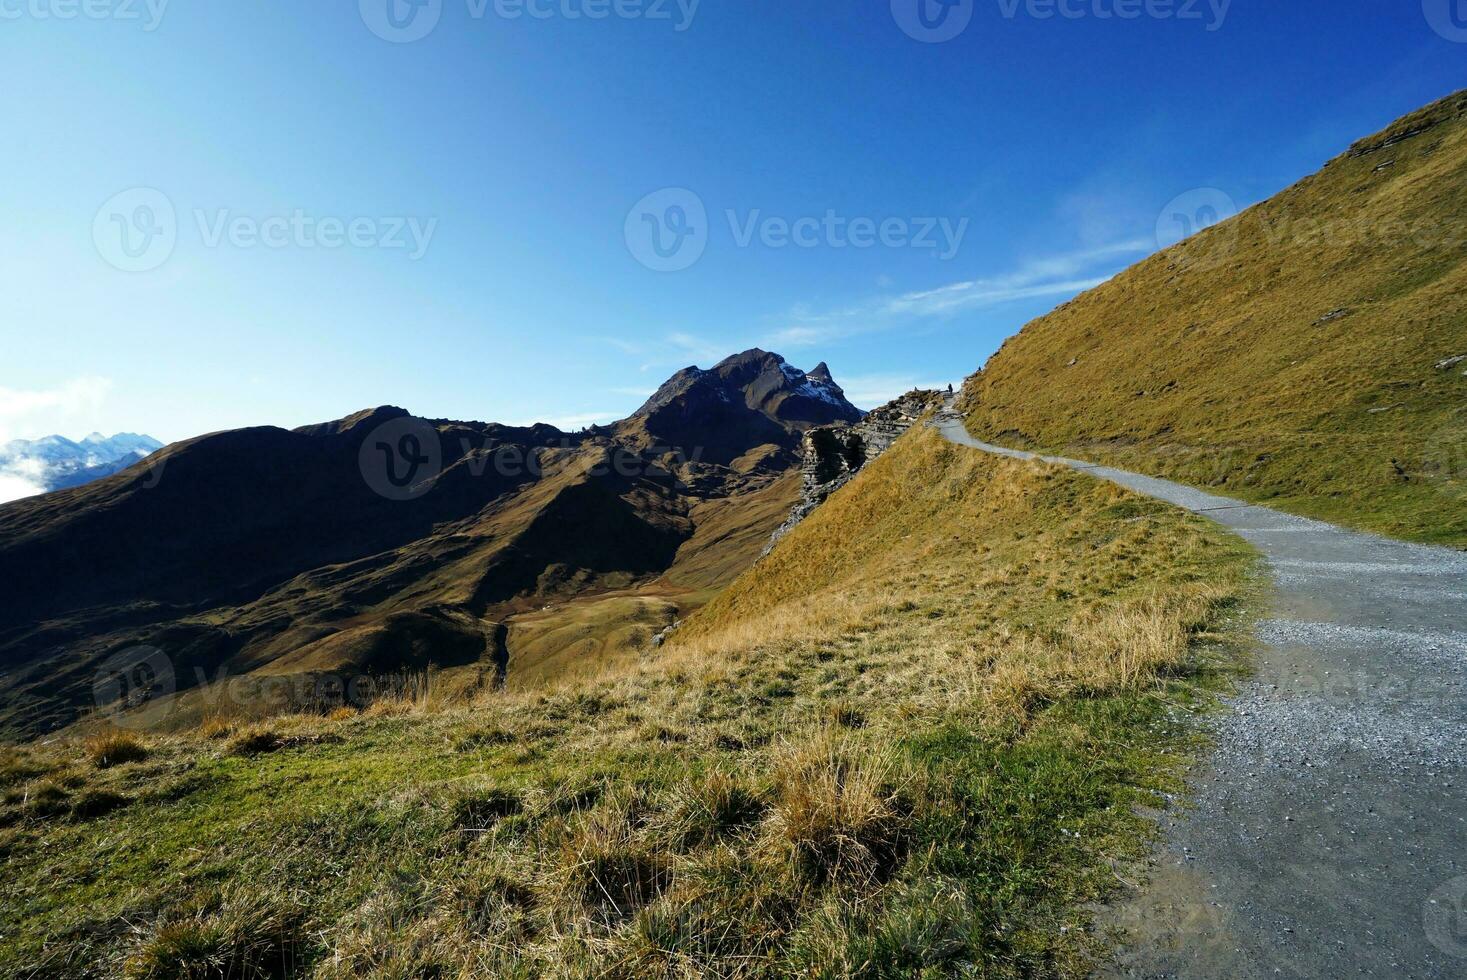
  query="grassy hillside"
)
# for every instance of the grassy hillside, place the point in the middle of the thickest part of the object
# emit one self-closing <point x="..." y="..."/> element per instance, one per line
<point x="1287" y="356"/>
<point x="913" y="738"/>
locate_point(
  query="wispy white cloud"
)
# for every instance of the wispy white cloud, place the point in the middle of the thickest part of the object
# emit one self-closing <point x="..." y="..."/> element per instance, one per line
<point x="872" y="390"/>
<point x="30" y="414"/>
<point x="1060" y="274"/>
<point x="1050" y="275"/>
<point x="640" y="392"/>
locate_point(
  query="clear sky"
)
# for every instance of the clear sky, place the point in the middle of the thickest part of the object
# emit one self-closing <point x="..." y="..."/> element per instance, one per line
<point x="229" y="214"/>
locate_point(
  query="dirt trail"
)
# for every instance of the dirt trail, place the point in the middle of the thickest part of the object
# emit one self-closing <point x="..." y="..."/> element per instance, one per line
<point x="1329" y="833"/>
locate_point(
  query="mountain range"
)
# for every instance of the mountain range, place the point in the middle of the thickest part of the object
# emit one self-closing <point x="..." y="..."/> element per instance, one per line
<point x="55" y="462"/>
<point x="381" y="541"/>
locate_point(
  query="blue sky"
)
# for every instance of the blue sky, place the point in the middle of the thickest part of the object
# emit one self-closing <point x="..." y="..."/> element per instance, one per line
<point x="451" y="224"/>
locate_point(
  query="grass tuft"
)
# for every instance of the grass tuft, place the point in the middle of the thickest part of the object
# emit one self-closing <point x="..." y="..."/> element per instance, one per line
<point x="115" y="749"/>
<point x="837" y="815"/>
<point x="245" y="934"/>
<point x="255" y="740"/>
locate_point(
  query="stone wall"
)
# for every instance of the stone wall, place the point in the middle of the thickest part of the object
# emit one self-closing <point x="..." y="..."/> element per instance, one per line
<point x="834" y="454"/>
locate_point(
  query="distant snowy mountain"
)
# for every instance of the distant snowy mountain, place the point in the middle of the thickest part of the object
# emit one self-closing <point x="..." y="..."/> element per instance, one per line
<point x="29" y="467"/>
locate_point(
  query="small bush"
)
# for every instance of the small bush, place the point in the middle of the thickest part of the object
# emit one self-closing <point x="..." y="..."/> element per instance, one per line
<point x="834" y="815"/>
<point x="95" y="803"/>
<point x="48" y="798"/>
<point x="705" y="809"/>
<point x="115" y="748"/>
<point x="242" y="935"/>
<point x="216" y="728"/>
<point x="844" y="714"/>
<point x="661" y="733"/>
<point x="255" y="741"/>
<point x="606" y="867"/>
<point x="484" y="738"/>
<point x="481" y="811"/>
<point x="17" y="766"/>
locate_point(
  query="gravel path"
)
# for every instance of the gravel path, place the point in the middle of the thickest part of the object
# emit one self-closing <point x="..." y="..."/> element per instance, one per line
<point x="1329" y="833"/>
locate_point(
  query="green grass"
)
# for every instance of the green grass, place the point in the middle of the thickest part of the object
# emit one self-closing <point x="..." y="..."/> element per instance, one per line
<point x="1217" y="362"/>
<point x="912" y="741"/>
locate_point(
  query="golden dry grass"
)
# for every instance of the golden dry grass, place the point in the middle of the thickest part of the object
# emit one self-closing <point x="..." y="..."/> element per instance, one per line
<point x="859" y="758"/>
<point x="1286" y="356"/>
<point x="115" y="748"/>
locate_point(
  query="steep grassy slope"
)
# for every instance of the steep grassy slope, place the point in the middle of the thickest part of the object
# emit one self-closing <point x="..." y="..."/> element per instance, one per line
<point x="910" y="739"/>
<point x="1288" y="355"/>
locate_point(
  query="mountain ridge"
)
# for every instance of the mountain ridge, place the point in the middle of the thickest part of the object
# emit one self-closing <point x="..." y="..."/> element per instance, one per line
<point x="55" y="462"/>
<point x="324" y="543"/>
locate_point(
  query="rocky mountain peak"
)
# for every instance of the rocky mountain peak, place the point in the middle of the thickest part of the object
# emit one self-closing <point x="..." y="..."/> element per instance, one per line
<point x="750" y="399"/>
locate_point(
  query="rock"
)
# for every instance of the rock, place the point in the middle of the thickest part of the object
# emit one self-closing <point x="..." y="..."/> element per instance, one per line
<point x="1450" y="362"/>
<point x="1341" y="313"/>
<point x="661" y="637"/>
<point x="834" y="454"/>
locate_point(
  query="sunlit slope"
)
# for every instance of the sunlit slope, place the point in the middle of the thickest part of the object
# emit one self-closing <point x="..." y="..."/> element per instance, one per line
<point x="1288" y="355"/>
<point x="915" y="740"/>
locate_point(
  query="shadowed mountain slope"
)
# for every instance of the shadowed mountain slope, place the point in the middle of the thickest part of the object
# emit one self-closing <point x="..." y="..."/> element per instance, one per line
<point x="361" y="544"/>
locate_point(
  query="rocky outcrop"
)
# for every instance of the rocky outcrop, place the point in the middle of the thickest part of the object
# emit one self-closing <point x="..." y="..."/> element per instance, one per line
<point x="834" y="454"/>
<point x="751" y="399"/>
